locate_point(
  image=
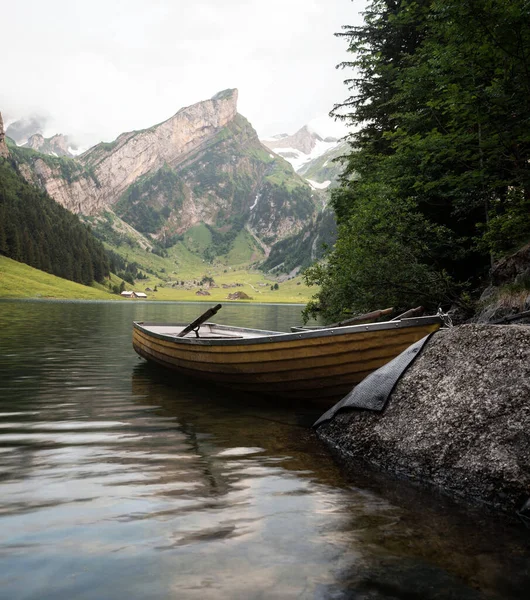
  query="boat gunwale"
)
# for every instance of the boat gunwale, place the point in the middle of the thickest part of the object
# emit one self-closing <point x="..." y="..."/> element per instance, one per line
<point x="279" y="336"/>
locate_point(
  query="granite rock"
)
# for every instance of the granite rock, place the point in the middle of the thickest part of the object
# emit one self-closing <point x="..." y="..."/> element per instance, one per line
<point x="458" y="420"/>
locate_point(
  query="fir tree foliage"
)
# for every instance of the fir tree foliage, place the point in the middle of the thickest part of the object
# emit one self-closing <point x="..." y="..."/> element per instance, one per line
<point x="129" y="271"/>
<point x="36" y="230"/>
<point x="438" y="180"/>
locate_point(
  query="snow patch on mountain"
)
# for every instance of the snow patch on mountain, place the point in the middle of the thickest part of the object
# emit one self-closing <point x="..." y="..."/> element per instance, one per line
<point x="317" y="185"/>
<point x="298" y="158"/>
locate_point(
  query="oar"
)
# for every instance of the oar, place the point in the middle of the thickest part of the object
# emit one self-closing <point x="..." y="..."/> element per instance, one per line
<point x="413" y="312"/>
<point x="199" y="321"/>
<point x="366" y="318"/>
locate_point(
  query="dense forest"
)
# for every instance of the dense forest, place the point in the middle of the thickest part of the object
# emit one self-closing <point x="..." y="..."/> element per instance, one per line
<point x="38" y="231"/>
<point x="437" y="184"/>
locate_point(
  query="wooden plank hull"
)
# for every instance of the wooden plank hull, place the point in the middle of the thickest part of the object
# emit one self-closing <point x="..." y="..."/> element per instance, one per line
<point x="321" y="365"/>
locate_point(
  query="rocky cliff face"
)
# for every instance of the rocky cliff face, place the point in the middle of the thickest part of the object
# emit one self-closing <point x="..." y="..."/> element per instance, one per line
<point x="203" y="165"/>
<point x="133" y="155"/>
<point x="313" y="158"/>
<point x="507" y="297"/>
<point x="109" y="169"/>
<point x="56" y="145"/>
<point x="229" y="182"/>
<point x="298" y="251"/>
<point x="4" y="152"/>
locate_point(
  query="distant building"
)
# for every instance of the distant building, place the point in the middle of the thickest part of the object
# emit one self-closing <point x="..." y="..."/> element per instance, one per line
<point x="131" y="294"/>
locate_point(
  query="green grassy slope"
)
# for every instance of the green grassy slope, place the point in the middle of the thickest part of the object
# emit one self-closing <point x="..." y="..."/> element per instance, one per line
<point x="254" y="284"/>
<point x="18" y="280"/>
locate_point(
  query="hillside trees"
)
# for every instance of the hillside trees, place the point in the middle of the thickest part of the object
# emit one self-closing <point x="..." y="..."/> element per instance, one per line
<point x="438" y="178"/>
<point x="34" y="229"/>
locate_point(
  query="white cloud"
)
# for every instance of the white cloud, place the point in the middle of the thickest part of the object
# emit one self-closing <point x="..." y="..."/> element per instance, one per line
<point x="102" y="67"/>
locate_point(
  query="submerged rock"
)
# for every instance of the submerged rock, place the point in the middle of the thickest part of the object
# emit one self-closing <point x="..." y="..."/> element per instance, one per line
<point x="459" y="418"/>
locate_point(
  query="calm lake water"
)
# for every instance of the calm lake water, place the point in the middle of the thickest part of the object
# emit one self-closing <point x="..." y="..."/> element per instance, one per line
<point x="119" y="482"/>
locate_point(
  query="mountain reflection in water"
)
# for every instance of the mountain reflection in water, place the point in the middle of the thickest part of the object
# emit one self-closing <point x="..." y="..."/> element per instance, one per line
<point x="120" y="480"/>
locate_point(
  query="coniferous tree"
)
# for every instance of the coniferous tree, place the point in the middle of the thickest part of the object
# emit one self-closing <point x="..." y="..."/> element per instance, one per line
<point x="37" y="230"/>
<point x="438" y="177"/>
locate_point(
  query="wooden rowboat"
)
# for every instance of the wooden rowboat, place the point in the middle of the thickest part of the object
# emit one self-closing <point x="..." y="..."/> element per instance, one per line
<point x="319" y="365"/>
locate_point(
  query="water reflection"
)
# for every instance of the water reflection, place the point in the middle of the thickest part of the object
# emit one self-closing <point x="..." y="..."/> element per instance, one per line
<point x="119" y="480"/>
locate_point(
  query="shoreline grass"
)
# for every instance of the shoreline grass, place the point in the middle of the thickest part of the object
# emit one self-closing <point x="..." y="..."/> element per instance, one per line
<point x="19" y="281"/>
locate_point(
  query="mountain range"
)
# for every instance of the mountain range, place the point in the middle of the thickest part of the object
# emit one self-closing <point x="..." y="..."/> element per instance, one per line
<point x="204" y="169"/>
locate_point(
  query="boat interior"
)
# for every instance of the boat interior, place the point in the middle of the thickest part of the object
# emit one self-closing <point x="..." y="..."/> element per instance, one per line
<point x="210" y="331"/>
<point x="214" y="331"/>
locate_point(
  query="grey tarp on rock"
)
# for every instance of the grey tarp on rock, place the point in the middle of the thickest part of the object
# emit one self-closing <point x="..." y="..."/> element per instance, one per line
<point x="373" y="391"/>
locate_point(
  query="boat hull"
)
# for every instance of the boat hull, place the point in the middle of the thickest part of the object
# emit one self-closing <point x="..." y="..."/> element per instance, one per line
<point x="320" y="365"/>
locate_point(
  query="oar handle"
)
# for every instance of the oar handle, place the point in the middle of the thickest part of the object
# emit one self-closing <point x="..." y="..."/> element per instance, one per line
<point x="199" y="320"/>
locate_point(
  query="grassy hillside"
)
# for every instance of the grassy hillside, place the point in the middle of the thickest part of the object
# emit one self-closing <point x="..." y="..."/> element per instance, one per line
<point x="18" y="280"/>
<point x="254" y="284"/>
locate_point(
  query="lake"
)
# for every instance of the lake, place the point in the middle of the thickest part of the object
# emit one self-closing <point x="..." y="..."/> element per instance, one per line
<point x="118" y="480"/>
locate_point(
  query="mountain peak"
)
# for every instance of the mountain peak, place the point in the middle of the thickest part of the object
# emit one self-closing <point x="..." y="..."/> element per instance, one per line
<point x="309" y="153"/>
<point x="56" y="145"/>
<point x="228" y="94"/>
<point x="304" y="140"/>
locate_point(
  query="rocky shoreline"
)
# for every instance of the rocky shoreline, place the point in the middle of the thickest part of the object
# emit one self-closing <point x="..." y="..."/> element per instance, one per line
<point x="458" y="420"/>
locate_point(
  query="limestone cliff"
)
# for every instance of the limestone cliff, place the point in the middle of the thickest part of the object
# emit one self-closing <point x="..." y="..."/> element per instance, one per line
<point x="4" y="152"/>
<point x="203" y="165"/>
<point x="112" y="167"/>
<point x="133" y="155"/>
<point x="229" y="182"/>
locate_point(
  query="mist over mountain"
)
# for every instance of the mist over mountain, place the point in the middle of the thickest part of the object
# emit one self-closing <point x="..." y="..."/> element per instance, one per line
<point x="21" y="130"/>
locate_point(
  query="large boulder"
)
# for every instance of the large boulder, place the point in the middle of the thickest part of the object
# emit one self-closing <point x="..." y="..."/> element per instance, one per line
<point x="508" y="295"/>
<point x="459" y="418"/>
<point x="239" y="296"/>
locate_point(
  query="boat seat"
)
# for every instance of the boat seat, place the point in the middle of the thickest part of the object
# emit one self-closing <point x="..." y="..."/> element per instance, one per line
<point x="222" y="337"/>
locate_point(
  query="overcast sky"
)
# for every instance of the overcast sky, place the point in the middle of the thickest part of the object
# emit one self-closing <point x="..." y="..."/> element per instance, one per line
<point x="100" y="67"/>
